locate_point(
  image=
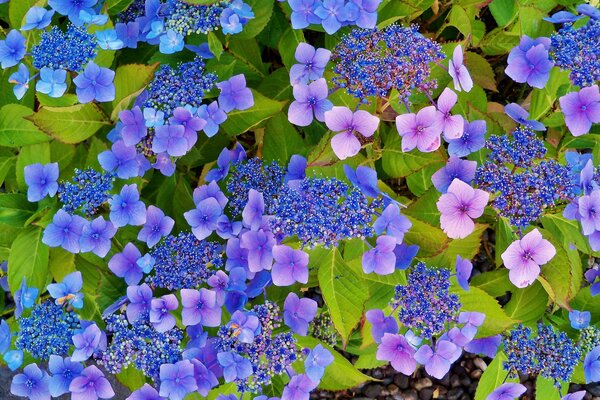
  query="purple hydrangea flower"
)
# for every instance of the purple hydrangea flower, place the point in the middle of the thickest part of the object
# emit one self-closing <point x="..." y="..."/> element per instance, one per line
<point x="12" y="49"/>
<point x="63" y="372"/>
<point x="471" y="321"/>
<point x="234" y="366"/>
<point x="146" y="392"/>
<point x="437" y="363"/>
<point x="298" y="313"/>
<point x="72" y="8"/>
<point x="96" y="235"/>
<point x="303" y="13"/>
<point x="157" y="225"/>
<point x="452" y="125"/>
<point x="259" y="245"/>
<point x="472" y="139"/>
<point x="126" y="208"/>
<point x="575" y="395"/>
<point x="140" y="299"/>
<point x="397" y="350"/>
<point x="120" y="158"/>
<point x="128" y="33"/>
<point x="52" y="82"/>
<point x="245" y="326"/>
<point x="205" y="378"/>
<point x="589" y="10"/>
<point x="212" y="190"/>
<point x="41" y="181"/>
<point x="589" y="205"/>
<point x="591" y="365"/>
<point x="200" y="307"/>
<point x="37" y="18"/>
<point x="219" y="282"/>
<point x="579" y="319"/>
<point x="86" y="342"/>
<point x="310" y="102"/>
<point x="532" y="66"/>
<point x="381" y="324"/>
<point x="364" y="178"/>
<point x="64" y="231"/>
<point x="32" y="383"/>
<point x="296" y="170"/>
<point x="341" y="119"/>
<point x="134" y="126"/>
<point x="507" y="391"/>
<point x="234" y="94"/>
<point x="523" y="258"/>
<point x="458" y="206"/>
<point x="91" y="385"/>
<point x="160" y="317"/>
<point x="298" y="388"/>
<point x="177" y="380"/>
<point x="561" y="17"/>
<point x="69" y="290"/>
<point x="124" y="265"/>
<point x="367" y="17"/>
<point x="253" y="210"/>
<point x="581" y="109"/>
<point x="316" y="362"/>
<point x="312" y="63"/>
<point x="290" y="266"/>
<point x="381" y="259"/>
<point x="203" y="219"/>
<point x="192" y="124"/>
<point x="487" y="346"/>
<point x="170" y="139"/>
<point x="459" y="72"/>
<point x="520" y="115"/>
<point x="393" y="223"/>
<point x="5" y="337"/>
<point x="421" y="130"/>
<point x="213" y="115"/>
<point x="95" y="83"/>
<point x="333" y="14"/>
<point x="463" y="272"/>
<point x="456" y="168"/>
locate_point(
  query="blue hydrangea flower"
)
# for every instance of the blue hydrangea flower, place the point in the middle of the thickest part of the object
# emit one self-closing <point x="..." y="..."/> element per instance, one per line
<point x="177" y="380"/>
<point x="128" y="33"/>
<point x="95" y="83"/>
<point x="63" y="372"/>
<point x="579" y="319"/>
<point x="298" y="313"/>
<point x="12" y="49"/>
<point x="20" y="79"/>
<point x="126" y="208"/>
<point x="13" y="359"/>
<point x="68" y="291"/>
<point x="171" y="42"/>
<point x="108" y="40"/>
<point x="32" y="383"/>
<point x="37" y="18"/>
<point x="316" y="362"/>
<point x="157" y="225"/>
<point x="234" y="94"/>
<point x="91" y="384"/>
<point x="41" y="181"/>
<point x="213" y="115"/>
<point x="52" y="82"/>
<point x="124" y="264"/>
<point x="96" y="236"/>
<point x="72" y="8"/>
<point x="234" y="366"/>
<point x="120" y="159"/>
<point x="64" y="231"/>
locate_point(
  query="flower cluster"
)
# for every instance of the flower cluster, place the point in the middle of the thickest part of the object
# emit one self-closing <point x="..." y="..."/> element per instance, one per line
<point x="186" y="19"/>
<point x="550" y="354"/>
<point x="372" y="62"/>
<point x="88" y="191"/>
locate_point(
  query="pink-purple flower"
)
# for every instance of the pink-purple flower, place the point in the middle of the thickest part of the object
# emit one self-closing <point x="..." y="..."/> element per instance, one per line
<point x="437" y="362"/>
<point x="341" y="119"/>
<point x="310" y="102"/>
<point x="459" y="72"/>
<point x="530" y="62"/>
<point x="523" y="258"/>
<point x="290" y="266"/>
<point x="91" y="385"/>
<point x="381" y="258"/>
<point x="507" y="391"/>
<point x="396" y="349"/>
<point x="452" y="125"/>
<point x="298" y="313"/>
<point x="459" y="206"/>
<point x="581" y="109"/>
<point x="200" y="307"/>
<point x="311" y="64"/>
<point x="421" y="130"/>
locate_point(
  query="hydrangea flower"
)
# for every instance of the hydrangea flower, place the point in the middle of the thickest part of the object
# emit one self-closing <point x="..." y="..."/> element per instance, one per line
<point x="126" y="208"/>
<point x="234" y="366"/>
<point x="37" y="18"/>
<point x="459" y="206"/>
<point x="316" y="362"/>
<point x="87" y="342"/>
<point x="234" y="94"/>
<point x="213" y="115"/>
<point x="396" y="349"/>
<point x="437" y="362"/>
<point x="472" y="139"/>
<point x="290" y="266"/>
<point x="200" y="307"/>
<point x="299" y="388"/>
<point x="524" y="257"/>
<point x="259" y="245"/>
<point x="452" y="125"/>
<point x="124" y="264"/>
<point x="392" y="222"/>
<point x="157" y="225"/>
<point x="381" y="259"/>
<point x="520" y="115"/>
<point x="20" y="79"/>
<point x="581" y="109"/>
<point x="12" y="49"/>
<point x="421" y="130"/>
<point x="177" y="380"/>
<point x="464" y="268"/>
<point x="507" y="391"/>
<point x="311" y="64"/>
<point x="64" y="231"/>
<point x="32" y="383"/>
<point x="459" y="72"/>
<point x="579" y="319"/>
<point x="24" y="297"/>
<point x="72" y="8"/>
<point x="41" y="181"/>
<point x="96" y="235"/>
<point x="341" y="119"/>
<point x="203" y="219"/>
<point x="63" y="372"/>
<point x="310" y="102"/>
<point x="91" y="385"/>
<point x="532" y="65"/>
<point x="95" y="83"/>
<point x="52" y="82"/>
<point x="455" y="168"/>
<point x="68" y="291"/>
<point x="140" y="298"/>
<point x="160" y="317"/>
<point x="381" y="324"/>
<point x="298" y="313"/>
<point x="146" y="392"/>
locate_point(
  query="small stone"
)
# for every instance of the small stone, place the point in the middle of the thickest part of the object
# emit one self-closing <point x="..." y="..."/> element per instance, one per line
<point x="377" y="374"/>
<point x="393" y="389"/>
<point x="373" y="391"/>
<point x="410" y="394"/>
<point x="466" y="381"/>
<point x="423" y="383"/>
<point x="455" y="394"/>
<point x="402" y="381"/>
<point x="594" y="390"/>
<point x="479" y="363"/>
<point x="454" y="381"/>
<point x="476" y="374"/>
<point x="426" y="394"/>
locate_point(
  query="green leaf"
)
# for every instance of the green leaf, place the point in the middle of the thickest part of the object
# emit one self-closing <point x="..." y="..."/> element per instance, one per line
<point x="584" y="301"/>
<point x="18" y="9"/>
<point x="496" y="321"/>
<point x="72" y="124"/>
<point x="425" y="208"/>
<point x="567" y="230"/>
<point x="28" y="259"/>
<point x="61" y="263"/>
<point x="343" y="290"/>
<point x="527" y="304"/>
<point x="504" y="237"/>
<point x="116" y="6"/>
<point x="130" y="81"/>
<point x="493" y="376"/>
<point x="467" y="248"/>
<point x="248" y="53"/>
<point x="499" y="42"/>
<point x="420" y="181"/>
<point x="397" y="163"/>
<point x="495" y="283"/>
<point x="214" y="45"/>
<point x="545" y="389"/>
<point x="15" y="210"/>
<point x="502" y="11"/>
<point x="35" y="153"/>
<point x="287" y="45"/>
<point x="240" y="121"/>
<point x="481" y="71"/>
<point x="15" y="130"/>
<point x="431" y="240"/>
<point x="460" y="20"/>
<point x="281" y="139"/>
<point x="131" y="377"/>
<point x="339" y="375"/>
